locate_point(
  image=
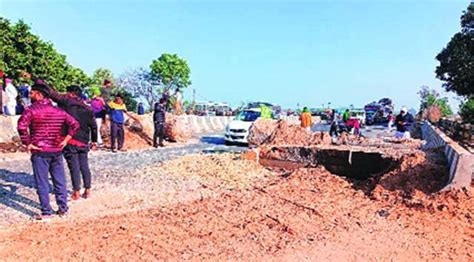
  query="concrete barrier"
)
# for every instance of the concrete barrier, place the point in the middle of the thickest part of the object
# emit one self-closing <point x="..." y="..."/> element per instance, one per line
<point x="460" y="161"/>
<point x="296" y="119"/>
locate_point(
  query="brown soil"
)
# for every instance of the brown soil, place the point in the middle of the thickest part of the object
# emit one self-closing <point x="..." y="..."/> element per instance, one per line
<point x="272" y="132"/>
<point x="308" y="215"/>
<point x="227" y="171"/>
<point x="11" y="147"/>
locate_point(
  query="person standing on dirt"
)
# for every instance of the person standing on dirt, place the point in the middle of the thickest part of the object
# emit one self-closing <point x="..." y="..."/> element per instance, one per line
<point x="346" y="115"/>
<point x="166" y="97"/>
<point x="404" y="122"/>
<point x="41" y="130"/>
<point x="306" y="119"/>
<point x="77" y="150"/>
<point x="98" y="107"/>
<point x="140" y="109"/>
<point x="106" y="90"/>
<point x="159" y="117"/>
<point x="178" y="97"/>
<point x="117" y="111"/>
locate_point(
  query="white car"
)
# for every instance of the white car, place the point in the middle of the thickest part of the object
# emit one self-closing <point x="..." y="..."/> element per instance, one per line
<point x="237" y="131"/>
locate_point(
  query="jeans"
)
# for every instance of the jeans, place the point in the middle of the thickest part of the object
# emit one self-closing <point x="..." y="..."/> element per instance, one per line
<point x="159" y="133"/>
<point x="117" y="135"/>
<point x="78" y="163"/>
<point x="43" y="164"/>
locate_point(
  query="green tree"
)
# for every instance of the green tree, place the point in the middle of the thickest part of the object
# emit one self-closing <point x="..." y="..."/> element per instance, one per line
<point x="429" y="97"/>
<point x="467" y="110"/>
<point x="23" y="52"/>
<point x="456" y="60"/>
<point x="171" y="71"/>
<point x="101" y="74"/>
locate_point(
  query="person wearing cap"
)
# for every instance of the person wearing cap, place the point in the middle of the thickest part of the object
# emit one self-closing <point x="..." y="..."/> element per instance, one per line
<point x="117" y="111"/>
<point x="404" y="122"/>
<point x="41" y="130"/>
<point x="77" y="150"/>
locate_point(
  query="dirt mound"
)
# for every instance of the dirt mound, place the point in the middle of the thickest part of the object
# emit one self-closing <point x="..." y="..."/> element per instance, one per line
<point x="139" y="134"/>
<point x="432" y="114"/>
<point x="225" y="170"/>
<point x="261" y="130"/>
<point x="135" y="138"/>
<point x="12" y="147"/>
<point x="272" y="132"/>
<point x="310" y="213"/>
<point x="177" y="129"/>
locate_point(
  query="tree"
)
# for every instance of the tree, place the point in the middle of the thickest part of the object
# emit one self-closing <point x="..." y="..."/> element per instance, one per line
<point x="101" y="74"/>
<point x="25" y="53"/>
<point x="456" y="68"/>
<point x="171" y="71"/>
<point x="429" y="97"/>
<point x="140" y="83"/>
<point x="467" y="110"/>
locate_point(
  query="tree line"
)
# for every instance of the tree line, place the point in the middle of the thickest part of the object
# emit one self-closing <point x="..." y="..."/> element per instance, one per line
<point x="25" y="54"/>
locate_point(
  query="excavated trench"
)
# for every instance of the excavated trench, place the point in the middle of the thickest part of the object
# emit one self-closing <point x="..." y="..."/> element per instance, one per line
<point x="354" y="164"/>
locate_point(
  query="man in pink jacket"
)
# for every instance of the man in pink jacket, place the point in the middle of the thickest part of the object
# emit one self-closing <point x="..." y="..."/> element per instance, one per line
<point x="41" y="129"/>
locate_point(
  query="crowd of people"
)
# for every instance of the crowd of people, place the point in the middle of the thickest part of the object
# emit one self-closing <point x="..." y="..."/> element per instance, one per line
<point x="54" y="126"/>
<point x="349" y="122"/>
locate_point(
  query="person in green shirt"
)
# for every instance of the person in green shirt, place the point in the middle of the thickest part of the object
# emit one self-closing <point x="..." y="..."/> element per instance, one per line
<point x="346" y="115"/>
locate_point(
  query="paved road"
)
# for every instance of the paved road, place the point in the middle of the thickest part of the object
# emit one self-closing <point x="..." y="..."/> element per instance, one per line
<point x="368" y="131"/>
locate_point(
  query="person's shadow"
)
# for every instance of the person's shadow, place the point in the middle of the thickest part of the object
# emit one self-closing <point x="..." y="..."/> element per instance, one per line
<point x="10" y="182"/>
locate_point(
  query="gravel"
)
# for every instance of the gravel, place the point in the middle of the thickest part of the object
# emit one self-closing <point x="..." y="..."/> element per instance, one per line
<point x="111" y="171"/>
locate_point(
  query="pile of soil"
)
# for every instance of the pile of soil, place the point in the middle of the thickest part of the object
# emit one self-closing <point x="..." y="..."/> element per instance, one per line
<point x="432" y="114"/>
<point x="134" y="138"/>
<point x="176" y="129"/>
<point x="224" y="170"/>
<point x="261" y="130"/>
<point x="272" y="132"/>
<point x="12" y="147"/>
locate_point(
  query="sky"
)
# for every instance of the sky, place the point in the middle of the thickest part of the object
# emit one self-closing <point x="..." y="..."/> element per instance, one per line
<point x="309" y="53"/>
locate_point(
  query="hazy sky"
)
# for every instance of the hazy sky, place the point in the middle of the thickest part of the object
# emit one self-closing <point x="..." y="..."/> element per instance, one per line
<point x="286" y="52"/>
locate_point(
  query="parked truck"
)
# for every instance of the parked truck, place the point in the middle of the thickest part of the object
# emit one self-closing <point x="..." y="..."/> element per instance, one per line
<point x="378" y="112"/>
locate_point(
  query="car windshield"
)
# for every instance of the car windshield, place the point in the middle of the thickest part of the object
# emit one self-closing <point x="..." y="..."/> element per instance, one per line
<point x="248" y="116"/>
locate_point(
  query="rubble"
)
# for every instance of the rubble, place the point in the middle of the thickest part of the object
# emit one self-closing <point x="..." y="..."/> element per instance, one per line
<point x="272" y="132"/>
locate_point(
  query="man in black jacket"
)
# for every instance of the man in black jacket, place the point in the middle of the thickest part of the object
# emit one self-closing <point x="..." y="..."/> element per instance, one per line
<point x="159" y="115"/>
<point x="404" y="122"/>
<point x="77" y="149"/>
